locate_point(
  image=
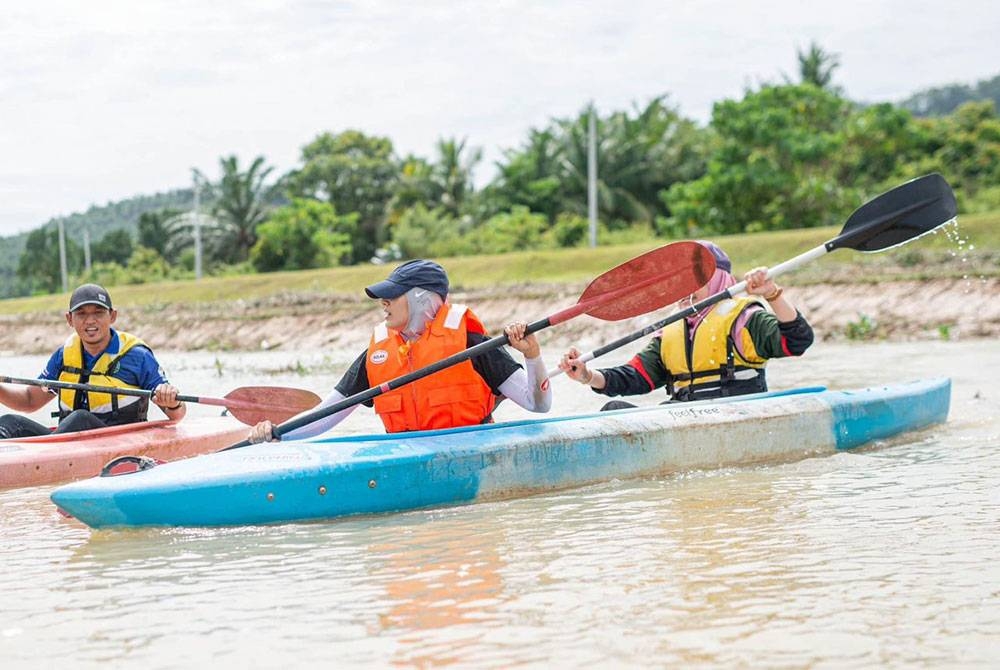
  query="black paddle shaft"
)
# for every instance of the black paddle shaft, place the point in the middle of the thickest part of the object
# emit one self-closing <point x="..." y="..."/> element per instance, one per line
<point x="364" y="396"/>
<point x="662" y="323"/>
<point x="668" y="273"/>
<point x="110" y="390"/>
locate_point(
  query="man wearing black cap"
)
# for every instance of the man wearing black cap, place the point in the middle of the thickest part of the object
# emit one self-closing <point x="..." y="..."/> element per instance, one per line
<point x="98" y="355"/>
<point x="421" y="327"/>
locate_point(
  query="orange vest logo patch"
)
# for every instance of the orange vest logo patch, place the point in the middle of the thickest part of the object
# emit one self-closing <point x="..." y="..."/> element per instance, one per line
<point x="380" y="356"/>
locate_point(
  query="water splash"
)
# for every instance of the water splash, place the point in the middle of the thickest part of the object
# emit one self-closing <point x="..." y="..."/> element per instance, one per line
<point x="963" y="246"/>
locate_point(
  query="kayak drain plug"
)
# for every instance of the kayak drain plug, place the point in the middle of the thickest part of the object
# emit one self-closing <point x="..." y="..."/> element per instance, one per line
<point x="371" y="483"/>
<point x="270" y="497"/>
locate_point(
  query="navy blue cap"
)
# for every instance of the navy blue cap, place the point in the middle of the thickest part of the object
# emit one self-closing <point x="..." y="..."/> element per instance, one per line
<point x="412" y="274"/>
<point x="89" y="294"/>
<point x="722" y="261"/>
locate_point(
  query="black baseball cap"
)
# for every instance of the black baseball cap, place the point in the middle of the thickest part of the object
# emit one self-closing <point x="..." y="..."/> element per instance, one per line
<point x="412" y="274"/>
<point x="89" y="294"/>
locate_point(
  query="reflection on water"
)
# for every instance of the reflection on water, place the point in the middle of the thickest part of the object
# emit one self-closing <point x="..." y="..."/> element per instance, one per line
<point x="881" y="557"/>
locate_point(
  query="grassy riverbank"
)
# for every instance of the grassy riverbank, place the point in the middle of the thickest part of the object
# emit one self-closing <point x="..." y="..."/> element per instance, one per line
<point x="942" y="286"/>
<point x="970" y="250"/>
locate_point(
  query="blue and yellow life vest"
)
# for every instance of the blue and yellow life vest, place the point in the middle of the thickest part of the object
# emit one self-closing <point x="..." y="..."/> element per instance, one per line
<point x="710" y="365"/>
<point x="111" y="408"/>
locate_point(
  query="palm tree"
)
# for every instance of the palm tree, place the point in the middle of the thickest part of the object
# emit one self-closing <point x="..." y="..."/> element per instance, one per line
<point x="639" y="155"/>
<point x="453" y="172"/>
<point x="242" y="201"/>
<point x="531" y="176"/>
<point x="816" y="66"/>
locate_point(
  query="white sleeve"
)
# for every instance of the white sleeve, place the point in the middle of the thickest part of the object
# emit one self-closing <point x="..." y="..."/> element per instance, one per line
<point x="322" y="425"/>
<point x="529" y="387"/>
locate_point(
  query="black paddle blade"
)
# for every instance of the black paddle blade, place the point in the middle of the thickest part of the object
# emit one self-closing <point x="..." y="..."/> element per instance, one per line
<point x="648" y="282"/>
<point x="897" y="216"/>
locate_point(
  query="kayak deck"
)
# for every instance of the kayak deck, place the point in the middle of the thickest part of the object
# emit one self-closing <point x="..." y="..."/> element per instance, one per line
<point x="62" y="457"/>
<point x="326" y="478"/>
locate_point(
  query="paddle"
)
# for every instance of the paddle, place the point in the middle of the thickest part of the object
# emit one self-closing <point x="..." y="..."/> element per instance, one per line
<point x="249" y="404"/>
<point x="888" y="220"/>
<point x="643" y="284"/>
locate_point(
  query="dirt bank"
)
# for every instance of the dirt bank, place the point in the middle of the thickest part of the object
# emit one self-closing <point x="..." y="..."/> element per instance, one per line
<point x="957" y="309"/>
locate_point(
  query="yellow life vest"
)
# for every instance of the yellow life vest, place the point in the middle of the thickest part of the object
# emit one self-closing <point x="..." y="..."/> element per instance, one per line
<point x="710" y="365"/>
<point x="111" y="408"/>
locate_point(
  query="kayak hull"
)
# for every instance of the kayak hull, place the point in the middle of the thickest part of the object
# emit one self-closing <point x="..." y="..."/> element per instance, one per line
<point x="62" y="457"/>
<point x="370" y="474"/>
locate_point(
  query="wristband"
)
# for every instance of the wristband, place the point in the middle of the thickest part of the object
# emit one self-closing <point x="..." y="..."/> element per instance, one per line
<point x="177" y="406"/>
<point x="774" y="296"/>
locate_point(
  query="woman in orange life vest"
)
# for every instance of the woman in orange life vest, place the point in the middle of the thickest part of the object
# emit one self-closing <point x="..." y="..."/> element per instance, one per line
<point x="422" y="327"/>
<point x="719" y="351"/>
<point x="94" y="354"/>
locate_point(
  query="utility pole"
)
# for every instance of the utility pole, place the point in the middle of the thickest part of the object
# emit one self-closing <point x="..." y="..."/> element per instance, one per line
<point x="592" y="174"/>
<point x="197" y="229"/>
<point x="86" y="248"/>
<point x="62" y="255"/>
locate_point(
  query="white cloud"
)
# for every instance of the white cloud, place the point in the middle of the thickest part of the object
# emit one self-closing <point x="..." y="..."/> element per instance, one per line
<point x="103" y="100"/>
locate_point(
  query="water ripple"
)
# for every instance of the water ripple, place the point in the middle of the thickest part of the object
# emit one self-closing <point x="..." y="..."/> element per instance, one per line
<point x="884" y="557"/>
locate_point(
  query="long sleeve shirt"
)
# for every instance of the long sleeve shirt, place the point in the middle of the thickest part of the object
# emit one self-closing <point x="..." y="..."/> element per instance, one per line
<point x="646" y="371"/>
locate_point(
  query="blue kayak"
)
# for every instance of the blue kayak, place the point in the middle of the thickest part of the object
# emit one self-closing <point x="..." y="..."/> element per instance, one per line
<point x="326" y="478"/>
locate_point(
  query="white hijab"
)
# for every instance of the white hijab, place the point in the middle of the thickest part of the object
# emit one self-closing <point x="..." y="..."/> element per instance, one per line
<point x="423" y="306"/>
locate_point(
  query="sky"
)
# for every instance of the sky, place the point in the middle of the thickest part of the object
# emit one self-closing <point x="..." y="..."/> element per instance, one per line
<point x="103" y="100"/>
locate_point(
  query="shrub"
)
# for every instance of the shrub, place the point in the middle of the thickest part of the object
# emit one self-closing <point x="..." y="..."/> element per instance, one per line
<point x="510" y="231"/>
<point x="305" y="234"/>
<point x="862" y="329"/>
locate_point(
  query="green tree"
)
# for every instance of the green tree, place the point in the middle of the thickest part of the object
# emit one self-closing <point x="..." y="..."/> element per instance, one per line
<point x="146" y="265"/>
<point x="304" y="234"/>
<point x="570" y="230"/>
<point x="155" y="233"/>
<point x="880" y="141"/>
<point x="453" y="172"/>
<point x="105" y="274"/>
<point x="773" y="166"/>
<point x="516" y="230"/>
<point x="39" y="262"/>
<point x="423" y="232"/>
<point x="416" y="185"/>
<point x="816" y="66"/>
<point x="531" y="176"/>
<point x="242" y="200"/>
<point x="354" y="173"/>
<point x="966" y="149"/>
<point x="638" y="156"/>
<point x="115" y="247"/>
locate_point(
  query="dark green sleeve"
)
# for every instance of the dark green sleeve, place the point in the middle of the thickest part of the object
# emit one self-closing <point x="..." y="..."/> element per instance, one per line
<point x="773" y="339"/>
<point x="644" y="373"/>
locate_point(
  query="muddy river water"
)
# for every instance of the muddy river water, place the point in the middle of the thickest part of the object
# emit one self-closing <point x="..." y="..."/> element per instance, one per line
<point x="882" y="557"/>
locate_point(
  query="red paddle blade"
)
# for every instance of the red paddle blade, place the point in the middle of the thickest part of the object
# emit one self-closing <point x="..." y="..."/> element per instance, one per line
<point x="648" y="282"/>
<point x="253" y="404"/>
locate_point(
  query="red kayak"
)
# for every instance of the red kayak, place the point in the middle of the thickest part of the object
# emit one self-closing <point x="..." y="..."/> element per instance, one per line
<point x="49" y="459"/>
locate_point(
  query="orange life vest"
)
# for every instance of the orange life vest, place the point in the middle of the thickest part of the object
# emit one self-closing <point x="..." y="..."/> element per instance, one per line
<point x="452" y="397"/>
